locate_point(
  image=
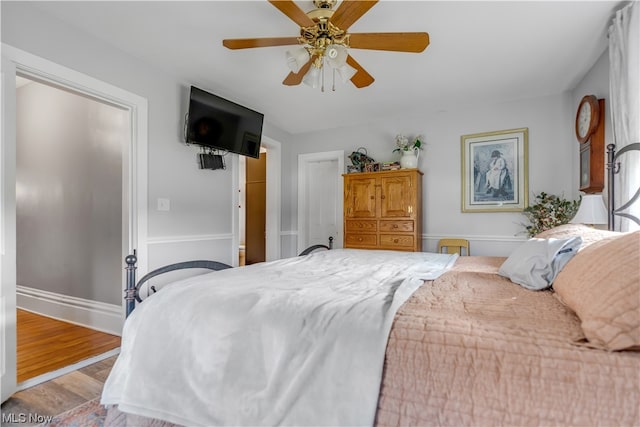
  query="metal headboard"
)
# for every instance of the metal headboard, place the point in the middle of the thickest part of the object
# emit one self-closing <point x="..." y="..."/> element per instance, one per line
<point x="613" y="167"/>
<point x="132" y="290"/>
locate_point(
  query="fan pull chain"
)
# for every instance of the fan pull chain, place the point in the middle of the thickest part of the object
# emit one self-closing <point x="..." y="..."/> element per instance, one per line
<point x="323" y="67"/>
<point x="333" y="87"/>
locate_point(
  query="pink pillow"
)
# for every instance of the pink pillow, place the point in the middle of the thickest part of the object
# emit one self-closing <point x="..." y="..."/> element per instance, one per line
<point x="601" y="284"/>
<point x="589" y="235"/>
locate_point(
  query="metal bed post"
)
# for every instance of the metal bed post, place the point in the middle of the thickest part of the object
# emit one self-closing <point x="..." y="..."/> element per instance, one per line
<point x="130" y="290"/>
<point x="611" y="148"/>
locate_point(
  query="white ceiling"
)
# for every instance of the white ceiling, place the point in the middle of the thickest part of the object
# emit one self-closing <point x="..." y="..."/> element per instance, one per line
<point x="481" y="52"/>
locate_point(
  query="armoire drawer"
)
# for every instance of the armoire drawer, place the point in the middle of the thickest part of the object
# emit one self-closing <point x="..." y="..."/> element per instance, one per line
<point x="360" y="240"/>
<point x="396" y="240"/>
<point x="358" y="225"/>
<point x="400" y="226"/>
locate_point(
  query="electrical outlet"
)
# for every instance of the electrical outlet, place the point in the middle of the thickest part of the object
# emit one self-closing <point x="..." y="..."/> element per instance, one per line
<point x="164" y="204"/>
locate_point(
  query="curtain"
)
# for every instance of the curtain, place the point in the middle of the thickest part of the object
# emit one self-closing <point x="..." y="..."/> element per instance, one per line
<point x="624" y="92"/>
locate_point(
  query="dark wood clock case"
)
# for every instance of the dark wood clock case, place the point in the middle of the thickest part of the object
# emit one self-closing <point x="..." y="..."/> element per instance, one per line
<point x="592" y="158"/>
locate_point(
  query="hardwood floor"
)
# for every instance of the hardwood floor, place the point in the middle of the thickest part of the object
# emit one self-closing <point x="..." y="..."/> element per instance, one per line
<point x="58" y="395"/>
<point x="45" y="344"/>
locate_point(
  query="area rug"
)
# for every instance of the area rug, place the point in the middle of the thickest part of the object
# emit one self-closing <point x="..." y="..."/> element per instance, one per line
<point x="89" y="414"/>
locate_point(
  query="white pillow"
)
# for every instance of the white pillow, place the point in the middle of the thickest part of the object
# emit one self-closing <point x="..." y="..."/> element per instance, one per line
<point x="536" y="263"/>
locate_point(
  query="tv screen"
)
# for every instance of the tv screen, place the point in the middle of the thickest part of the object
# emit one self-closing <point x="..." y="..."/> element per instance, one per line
<point x="221" y="124"/>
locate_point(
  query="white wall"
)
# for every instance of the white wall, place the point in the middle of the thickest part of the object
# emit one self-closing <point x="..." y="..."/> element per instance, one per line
<point x="201" y="201"/>
<point x="200" y="222"/>
<point x="550" y="123"/>
<point x="69" y="156"/>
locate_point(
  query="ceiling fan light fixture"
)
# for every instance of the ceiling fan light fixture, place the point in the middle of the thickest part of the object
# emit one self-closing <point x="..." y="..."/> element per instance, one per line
<point x="324" y="38"/>
<point x="312" y="78"/>
<point x="296" y="58"/>
<point x="336" y="55"/>
<point x="346" y="72"/>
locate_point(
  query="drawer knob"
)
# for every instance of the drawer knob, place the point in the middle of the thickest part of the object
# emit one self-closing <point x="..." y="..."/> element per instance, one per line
<point x="395" y="240"/>
<point x="360" y="239"/>
<point x="395" y="225"/>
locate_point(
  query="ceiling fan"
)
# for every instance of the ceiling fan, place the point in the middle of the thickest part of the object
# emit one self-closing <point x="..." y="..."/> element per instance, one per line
<point x="324" y="40"/>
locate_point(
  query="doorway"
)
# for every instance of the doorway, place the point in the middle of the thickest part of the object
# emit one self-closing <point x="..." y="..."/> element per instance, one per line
<point x="253" y="207"/>
<point x="272" y="216"/>
<point x="70" y="153"/>
<point x="320" y="199"/>
<point x="134" y="190"/>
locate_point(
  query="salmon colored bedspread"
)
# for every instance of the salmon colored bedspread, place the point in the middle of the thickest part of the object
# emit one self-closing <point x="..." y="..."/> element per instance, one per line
<point x="472" y="348"/>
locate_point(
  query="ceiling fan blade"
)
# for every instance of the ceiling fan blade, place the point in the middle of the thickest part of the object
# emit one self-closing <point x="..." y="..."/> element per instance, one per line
<point x="294" y="13"/>
<point x="361" y="78"/>
<point x="262" y="42"/>
<point x="349" y="11"/>
<point x="397" y="42"/>
<point x="294" y="79"/>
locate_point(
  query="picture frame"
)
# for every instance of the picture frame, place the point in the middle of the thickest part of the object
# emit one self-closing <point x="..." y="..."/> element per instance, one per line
<point x="495" y="171"/>
<point x="372" y="167"/>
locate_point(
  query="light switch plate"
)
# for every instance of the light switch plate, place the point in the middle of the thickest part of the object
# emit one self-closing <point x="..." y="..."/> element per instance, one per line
<point x="164" y="204"/>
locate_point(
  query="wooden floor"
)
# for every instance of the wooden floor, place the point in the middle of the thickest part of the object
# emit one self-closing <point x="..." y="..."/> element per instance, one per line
<point x="58" y="395"/>
<point x="46" y="344"/>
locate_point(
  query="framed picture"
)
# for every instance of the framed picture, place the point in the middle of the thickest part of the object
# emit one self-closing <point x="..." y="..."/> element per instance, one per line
<point x="372" y="167"/>
<point x="495" y="171"/>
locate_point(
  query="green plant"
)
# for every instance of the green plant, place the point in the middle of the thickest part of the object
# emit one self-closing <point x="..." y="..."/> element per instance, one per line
<point x="549" y="211"/>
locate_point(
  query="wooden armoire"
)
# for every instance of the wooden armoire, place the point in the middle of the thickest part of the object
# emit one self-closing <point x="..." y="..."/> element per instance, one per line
<point x="383" y="210"/>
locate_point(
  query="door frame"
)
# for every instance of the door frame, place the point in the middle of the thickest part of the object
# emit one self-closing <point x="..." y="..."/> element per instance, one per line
<point x="8" y="344"/>
<point x="273" y="245"/>
<point x="134" y="174"/>
<point x="303" y="160"/>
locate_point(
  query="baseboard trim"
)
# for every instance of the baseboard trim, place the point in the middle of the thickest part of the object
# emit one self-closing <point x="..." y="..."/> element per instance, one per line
<point x="79" y="311"/>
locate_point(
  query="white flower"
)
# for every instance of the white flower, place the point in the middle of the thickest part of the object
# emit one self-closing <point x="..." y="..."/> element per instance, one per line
<point x="403" y="144"/>
<point x="402" y="141"/>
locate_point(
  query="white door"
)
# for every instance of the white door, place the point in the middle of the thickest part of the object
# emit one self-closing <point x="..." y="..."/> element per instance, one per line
<point x="8" y="232"/>
<point x="320" y="199"/>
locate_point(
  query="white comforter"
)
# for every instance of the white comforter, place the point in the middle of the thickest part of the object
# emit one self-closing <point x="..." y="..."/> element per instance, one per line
<point x="298" y="341"/>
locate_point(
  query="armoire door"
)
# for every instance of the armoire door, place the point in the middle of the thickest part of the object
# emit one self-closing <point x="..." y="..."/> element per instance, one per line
<point x="397" y="196"/>
<point x="360" y="198"/>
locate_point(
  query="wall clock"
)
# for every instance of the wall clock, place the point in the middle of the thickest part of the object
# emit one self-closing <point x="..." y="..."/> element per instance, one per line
<point x="590" y="133"/>
<point x="587" y="118"/>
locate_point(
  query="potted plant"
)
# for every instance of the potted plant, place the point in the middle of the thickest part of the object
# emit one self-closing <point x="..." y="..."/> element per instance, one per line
<point x="549" y="211"/>
<point x="410" y="151"/>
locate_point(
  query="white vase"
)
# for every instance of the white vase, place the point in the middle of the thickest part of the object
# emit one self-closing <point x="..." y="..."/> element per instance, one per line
<point x="409" y="159"/>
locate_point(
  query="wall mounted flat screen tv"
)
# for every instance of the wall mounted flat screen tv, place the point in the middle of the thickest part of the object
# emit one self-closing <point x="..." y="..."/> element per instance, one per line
<point x="218" y="123"/>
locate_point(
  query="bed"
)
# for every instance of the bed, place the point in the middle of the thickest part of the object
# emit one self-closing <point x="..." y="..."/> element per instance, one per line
<point x="463" y="344"/>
